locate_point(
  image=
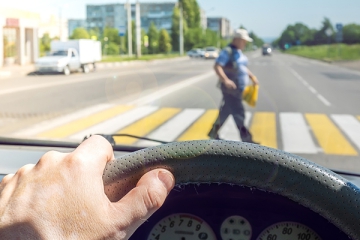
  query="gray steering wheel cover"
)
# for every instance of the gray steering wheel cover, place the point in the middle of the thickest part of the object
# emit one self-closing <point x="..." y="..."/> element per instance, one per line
<point x="291" y="176"/>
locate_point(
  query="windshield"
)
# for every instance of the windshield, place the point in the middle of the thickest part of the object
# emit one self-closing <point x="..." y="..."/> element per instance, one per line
<point x="210" y="49"/>
<point x="58" y="53"/>
<point x="277" y="73"/>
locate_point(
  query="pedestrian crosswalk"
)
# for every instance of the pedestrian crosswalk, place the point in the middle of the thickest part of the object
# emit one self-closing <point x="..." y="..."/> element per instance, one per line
<point x="294" y="132"/>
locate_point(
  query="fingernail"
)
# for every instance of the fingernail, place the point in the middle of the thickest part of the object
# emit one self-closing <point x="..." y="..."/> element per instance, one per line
<point x="167" y="179"/>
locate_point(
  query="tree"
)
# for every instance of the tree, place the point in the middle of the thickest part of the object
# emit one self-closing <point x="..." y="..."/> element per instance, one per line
<point x="45" y="43"/>
<point x="153" y="35"/>
<point x="191" y="12"/>
<point x="164" y="42"/>
<point x="351" y="33"/>
<point x="321" y="37"/>
<point x="256" y="40"/>
<point x="80" y="33"/>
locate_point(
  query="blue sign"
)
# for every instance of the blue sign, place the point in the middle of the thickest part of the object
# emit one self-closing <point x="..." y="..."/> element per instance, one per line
<point x="339" y="26"/>
<point x="339" y="33"/>
<point x="122" y="31"/>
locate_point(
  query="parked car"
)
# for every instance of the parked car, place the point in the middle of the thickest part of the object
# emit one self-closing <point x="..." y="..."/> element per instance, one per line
<point x="211" y="53"/>
<point x="195" y="53"/>
<point x="70" y="56"/>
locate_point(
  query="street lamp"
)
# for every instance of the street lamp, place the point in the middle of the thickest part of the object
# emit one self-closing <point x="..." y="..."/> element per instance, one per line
<point x="105" y="45"/>
<point x="61" y="7"/>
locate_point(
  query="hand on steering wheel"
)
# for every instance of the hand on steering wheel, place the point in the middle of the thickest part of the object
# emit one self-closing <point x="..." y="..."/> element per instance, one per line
<point x="62" y="197"/>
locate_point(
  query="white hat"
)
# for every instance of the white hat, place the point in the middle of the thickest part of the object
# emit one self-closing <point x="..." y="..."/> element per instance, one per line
<point x="243" y="34"/>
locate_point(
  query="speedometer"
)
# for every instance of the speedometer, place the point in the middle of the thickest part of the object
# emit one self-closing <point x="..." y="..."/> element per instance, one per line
<point x="181" y="226"/>
<point x="288" y="231"/>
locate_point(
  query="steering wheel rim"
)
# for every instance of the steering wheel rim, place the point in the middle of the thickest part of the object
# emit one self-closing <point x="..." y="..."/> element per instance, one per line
<point x="272" y="170"/>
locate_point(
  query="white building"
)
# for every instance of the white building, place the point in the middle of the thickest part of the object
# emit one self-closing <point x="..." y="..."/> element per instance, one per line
<point x="54" y="27"/>
<point x="220" y="25"/>
<point x="18" y="36"/>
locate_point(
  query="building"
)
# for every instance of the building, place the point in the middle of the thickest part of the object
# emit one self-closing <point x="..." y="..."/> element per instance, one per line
<point x="115" y="15"/>
<point x="55" y="27"/>
<point x="220" y="25"/>
<point x="203" y="19"/>
<point x="76" y="23"/>
<point x="19" y="43"/>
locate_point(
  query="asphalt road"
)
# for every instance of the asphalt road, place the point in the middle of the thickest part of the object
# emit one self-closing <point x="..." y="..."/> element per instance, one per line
<point x="305" y="107"/>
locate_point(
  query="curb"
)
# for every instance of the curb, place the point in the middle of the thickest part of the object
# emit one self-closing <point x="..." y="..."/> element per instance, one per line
<point x="104" y="65"/>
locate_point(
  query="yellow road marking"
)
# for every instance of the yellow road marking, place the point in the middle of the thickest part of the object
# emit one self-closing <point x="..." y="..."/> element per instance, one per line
<point x="263" y="129"/>
<point x="146" y="125"/>
<point x="200" y="129"/>
<point x="329" y="136"/>
<point x="358" y="117"/>
<point x="83" y="123"/>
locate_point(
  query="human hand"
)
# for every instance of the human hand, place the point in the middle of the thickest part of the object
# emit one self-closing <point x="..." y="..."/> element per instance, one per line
<point x="62" y="197"/>
<point x="229" y="84"/>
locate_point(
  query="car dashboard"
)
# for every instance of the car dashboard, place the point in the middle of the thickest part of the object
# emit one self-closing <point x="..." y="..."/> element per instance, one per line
<point x="230" y="212"/>
<point x="210" y="211"/>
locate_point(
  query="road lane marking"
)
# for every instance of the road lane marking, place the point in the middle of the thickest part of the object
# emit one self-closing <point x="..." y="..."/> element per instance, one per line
<point x="53" y="123"/>
<point x="329" y="136"/>
<point x="295" y="134"/>
<point x="172" y="129"/>
<point x="83" y="123"/>
<point x="170" y="89"/>
<point x="358" y="117"/>
<point x="350" y="126"/>
<point x="311" y="89"/>
<point x="263" y="129"/>
<point x="200" y="129"/>
<point x="326" y="102"/>
<point x="145" y="125"/>
<point x="116" y="123"/>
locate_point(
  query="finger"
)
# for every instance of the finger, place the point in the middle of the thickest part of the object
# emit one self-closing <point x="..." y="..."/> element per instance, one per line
<point x="6" y="179"/>
<point x="96" y="151"/>
<point x="147" y="197"/>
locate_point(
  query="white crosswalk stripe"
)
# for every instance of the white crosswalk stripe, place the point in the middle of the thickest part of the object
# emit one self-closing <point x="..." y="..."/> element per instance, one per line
<point x="350" y="125"/>
<point x="172" y="129"/>
<point x="299" y="133"/>
<point x="295" y="134"/>
<point x="114" y="124"/>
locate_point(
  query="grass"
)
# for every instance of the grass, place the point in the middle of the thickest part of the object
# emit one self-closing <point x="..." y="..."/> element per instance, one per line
<point x="119" y="58"/>
<point x="328" y="53"/>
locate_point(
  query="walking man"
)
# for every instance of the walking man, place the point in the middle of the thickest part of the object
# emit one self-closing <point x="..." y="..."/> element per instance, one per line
<point x="231" y="68"/>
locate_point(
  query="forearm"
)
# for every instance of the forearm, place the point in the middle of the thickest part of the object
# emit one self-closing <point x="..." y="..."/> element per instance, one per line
<point x="220" y="72"/>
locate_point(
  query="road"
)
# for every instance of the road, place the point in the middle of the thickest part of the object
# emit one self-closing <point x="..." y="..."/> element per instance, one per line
<point x="305" y="107"/>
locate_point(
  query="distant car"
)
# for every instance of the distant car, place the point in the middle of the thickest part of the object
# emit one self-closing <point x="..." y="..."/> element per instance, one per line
<point x="195" y="53"/>
<point x="211" y="52"/>
<point x="266" y="50"/>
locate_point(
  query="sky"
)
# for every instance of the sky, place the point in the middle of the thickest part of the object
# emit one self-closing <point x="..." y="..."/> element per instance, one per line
<point x="267" y="18"/>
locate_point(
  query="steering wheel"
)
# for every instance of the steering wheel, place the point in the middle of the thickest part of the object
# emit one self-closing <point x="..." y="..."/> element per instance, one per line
<point x="296" y="178"/>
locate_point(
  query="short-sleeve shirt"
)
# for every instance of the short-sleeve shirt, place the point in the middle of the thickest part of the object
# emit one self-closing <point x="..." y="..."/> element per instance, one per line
<point x="240" y="75"/>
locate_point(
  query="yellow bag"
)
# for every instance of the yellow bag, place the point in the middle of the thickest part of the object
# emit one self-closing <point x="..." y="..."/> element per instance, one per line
<point x="250" y="95"/>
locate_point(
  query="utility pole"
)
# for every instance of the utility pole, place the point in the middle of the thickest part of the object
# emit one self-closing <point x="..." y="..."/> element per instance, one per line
<point x="129" y="27"/>
<point x="138" y="30"/>
<point x="181" y="31"/>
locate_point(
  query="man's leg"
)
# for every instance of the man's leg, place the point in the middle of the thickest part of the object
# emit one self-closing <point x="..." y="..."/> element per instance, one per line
<point x="238" y="112"/>
<point x="224" y="113"/>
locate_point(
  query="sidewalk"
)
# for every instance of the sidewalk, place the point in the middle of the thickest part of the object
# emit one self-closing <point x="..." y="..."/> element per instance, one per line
<point x="353" y="65"/>
<point x="17" y="70"/>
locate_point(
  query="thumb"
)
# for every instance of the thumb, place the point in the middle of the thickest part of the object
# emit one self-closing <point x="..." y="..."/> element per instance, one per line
<point x="142" y="201"/>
